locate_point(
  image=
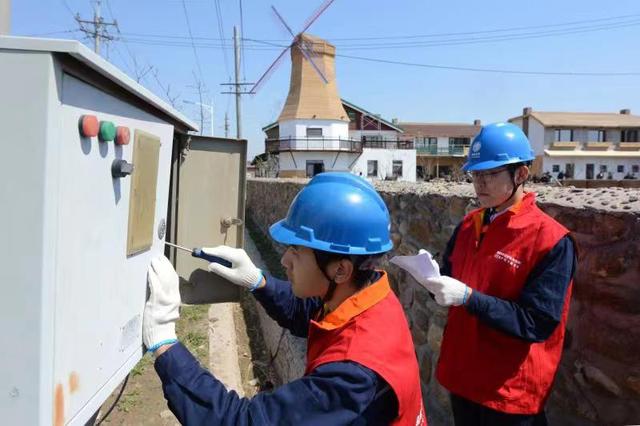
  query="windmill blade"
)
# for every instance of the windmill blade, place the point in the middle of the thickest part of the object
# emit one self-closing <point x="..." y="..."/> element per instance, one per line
<point x="307" y="56"/>
<point x="316" y="14"/>
<point x="269" y="71"/>
<point x="282" y="21"/>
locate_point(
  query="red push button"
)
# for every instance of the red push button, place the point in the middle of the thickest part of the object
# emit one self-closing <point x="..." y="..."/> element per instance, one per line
<point x="122" y="135"/>
<point x="89" y="126"/>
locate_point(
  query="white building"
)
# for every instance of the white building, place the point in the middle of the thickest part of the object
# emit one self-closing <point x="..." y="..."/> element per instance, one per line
<point x="583" y="145"/>
<point x="317" y="131"/>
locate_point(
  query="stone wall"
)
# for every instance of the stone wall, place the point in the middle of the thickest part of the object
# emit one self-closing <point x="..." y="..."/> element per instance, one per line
<point x="599" y="377"/>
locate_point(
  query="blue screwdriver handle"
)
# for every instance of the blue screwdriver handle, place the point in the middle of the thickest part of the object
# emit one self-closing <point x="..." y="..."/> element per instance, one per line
<point x="197" y="252"/>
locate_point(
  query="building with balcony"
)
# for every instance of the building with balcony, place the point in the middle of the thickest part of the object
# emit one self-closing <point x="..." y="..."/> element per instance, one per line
<point x="583" y="145"/>
<point x="317" y="131"/>
<point x="372" y="147"/>
<point x="441" y="148"/>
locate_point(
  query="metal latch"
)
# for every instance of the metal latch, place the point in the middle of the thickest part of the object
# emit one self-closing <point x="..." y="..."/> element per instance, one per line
<point x="121" y="168"/>
<point x="228" y="222"/>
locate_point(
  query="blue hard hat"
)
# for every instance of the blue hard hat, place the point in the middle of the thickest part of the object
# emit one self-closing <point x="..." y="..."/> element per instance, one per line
<point x="336" y="212"/>
<point x="496" y="145"/>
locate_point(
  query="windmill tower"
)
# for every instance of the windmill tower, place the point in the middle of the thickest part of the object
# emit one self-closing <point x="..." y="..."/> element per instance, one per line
<point x="310" y="98"/>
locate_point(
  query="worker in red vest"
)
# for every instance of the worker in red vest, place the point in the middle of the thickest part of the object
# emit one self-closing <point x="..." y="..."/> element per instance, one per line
<point x="361" y="364"/>
<point x="507" y="276"/>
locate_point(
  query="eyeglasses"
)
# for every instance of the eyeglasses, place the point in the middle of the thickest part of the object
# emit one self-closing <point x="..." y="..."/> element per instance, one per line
<point x="487" y="175"/>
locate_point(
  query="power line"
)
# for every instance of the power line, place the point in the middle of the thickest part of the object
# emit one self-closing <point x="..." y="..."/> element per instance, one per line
<point x="195" y="51"/>
<point x="244" y="69"/>
<point x="221" y="34"/>
<point x="494" y="70"/>
<point x="100" y="27"/>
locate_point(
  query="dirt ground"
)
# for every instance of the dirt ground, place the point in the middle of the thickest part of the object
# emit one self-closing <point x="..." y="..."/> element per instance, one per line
<point x="143" y="403"/>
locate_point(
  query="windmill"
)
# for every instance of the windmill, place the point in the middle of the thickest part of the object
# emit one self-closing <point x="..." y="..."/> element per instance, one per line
<point x="299" y="43"/>
<point x="313" y="92"/>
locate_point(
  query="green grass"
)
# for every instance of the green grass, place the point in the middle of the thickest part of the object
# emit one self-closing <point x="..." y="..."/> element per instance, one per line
<point x="129" y="401"/>
<point x="141" y="366"/>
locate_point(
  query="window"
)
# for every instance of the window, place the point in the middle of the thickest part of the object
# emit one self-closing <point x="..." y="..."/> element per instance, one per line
<point x="635" y="168"/>
<point x="426" y="142"/>
<point x="603" y="168"/>
<point x="629" y="135"/>
<point x="372" y="168"/>
<point x="459" y="141"/>
<point x="620" y="169"/>
<point x="397" y="168"/>
<point x="564" y="135"/>
<point x="314" y="167"/>
<point x="555" y="168"/>
<point x="352" y="116"/>
<point x="314" y="132"/>
<point x="596" y="136"/>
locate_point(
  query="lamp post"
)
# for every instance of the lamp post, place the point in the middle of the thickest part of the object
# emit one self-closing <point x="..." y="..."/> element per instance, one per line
<point x="210" y="107"/>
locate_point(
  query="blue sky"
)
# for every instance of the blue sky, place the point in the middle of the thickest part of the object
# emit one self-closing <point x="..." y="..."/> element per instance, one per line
<point x="149" y="27"/>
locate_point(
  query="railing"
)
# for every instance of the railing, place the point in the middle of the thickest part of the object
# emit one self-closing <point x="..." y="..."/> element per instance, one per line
<point x="451" y="150"/>
<point x="333" y="144"/>
<point x="388" y="144"/>
<point x="313" y="144"/>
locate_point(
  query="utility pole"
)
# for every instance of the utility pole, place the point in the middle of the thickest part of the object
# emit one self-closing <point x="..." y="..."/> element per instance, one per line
<point x="99" y="30"/>
<point x="226" y="125"/>
<point x="237" y="91"/>
<point x="236" y="51"/>
<point x="5" y="17"/>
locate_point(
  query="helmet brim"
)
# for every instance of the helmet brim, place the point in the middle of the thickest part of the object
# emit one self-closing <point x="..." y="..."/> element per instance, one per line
<point x="284" y="235"/>
<point x="492" y="164"/>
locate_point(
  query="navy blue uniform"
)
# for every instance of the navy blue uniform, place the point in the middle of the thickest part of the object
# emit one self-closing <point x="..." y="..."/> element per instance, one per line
<point x="337" y="393"/>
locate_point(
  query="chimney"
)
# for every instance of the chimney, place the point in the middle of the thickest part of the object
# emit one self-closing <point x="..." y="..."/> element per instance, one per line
<point x="477" y="122"/>
<point x="625" y="111"/>
<point x="309" y="97"/>
<point x="526" y="112"/>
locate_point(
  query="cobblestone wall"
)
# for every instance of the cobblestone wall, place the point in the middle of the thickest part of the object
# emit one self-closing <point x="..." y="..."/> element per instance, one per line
<point x="599" y="378"/>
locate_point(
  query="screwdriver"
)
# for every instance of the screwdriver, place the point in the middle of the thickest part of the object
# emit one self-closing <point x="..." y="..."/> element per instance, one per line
<point x="197" y="252"/>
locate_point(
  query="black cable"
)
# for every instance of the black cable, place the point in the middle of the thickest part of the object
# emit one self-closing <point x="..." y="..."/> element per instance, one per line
<point x="126" y="379"/>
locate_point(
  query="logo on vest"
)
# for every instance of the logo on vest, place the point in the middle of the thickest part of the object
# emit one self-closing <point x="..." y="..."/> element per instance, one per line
<point x="512" y="261"/>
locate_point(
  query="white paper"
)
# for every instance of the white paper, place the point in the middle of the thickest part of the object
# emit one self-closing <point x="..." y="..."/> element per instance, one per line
<point x="421" y="266"/>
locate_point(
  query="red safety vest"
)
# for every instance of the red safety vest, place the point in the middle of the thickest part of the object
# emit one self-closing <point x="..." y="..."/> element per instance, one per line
<point x="370" y="328"/>
<point x="481" y="363"/>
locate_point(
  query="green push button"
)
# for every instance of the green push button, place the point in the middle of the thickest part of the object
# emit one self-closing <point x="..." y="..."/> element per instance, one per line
<point x="107" y="131"/>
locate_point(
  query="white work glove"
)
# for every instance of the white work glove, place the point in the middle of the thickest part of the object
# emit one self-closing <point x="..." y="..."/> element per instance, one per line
<point x="162" y="308"/>
<point x="448" y="291"/>
<point x="242" y="272"/>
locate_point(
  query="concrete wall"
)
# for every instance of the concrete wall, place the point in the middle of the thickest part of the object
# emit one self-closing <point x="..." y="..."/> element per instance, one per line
<point x="599" y="376"/>
<point x="333" y="161"/>
<point x="385" y="158"/>
<point x="298" y="128"/>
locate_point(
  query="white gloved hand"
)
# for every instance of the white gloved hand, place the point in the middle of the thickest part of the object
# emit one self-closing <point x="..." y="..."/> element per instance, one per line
<point x="421" y="267"/>
<point x="162" y="308"/>
<point x="242" y="272"/>
<point x="448" y="291"/>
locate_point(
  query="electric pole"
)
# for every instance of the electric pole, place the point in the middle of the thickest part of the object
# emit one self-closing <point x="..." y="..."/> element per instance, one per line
<point x="5" y="17"/>
<point x="236" y="51"/>
<point x="237" y="91"/>
<point x="99" y="30"/>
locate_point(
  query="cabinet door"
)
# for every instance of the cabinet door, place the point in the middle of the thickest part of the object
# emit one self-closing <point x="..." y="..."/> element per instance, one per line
<point x="208" y="199"/>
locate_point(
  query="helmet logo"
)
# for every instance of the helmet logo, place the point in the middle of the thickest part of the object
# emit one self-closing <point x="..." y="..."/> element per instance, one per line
<point x="475" y="150"/>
